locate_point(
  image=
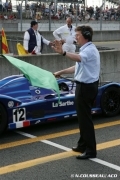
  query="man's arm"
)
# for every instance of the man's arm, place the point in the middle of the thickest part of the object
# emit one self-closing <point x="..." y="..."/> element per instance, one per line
<point x="65" y="71"/>
<point x="58" y="48"/>
<point x="73" y="56"/>
<point x="26" y="40"/>
<point x="56" y="35"/>
<point x="45" y="41"/>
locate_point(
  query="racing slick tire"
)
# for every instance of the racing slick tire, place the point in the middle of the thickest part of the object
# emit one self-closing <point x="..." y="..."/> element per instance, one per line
<point x="3" y="119"/>
<point x="110" y="101"/>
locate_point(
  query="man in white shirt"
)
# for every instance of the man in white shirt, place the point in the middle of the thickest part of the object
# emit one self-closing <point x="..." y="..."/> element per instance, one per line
<point x="33" y="40"/>
<point x="66" y="34"/>
<point x="86" y="74"/>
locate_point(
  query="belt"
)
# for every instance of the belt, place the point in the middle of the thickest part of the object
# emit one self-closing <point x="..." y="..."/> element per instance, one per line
<point x="77" y="82"/>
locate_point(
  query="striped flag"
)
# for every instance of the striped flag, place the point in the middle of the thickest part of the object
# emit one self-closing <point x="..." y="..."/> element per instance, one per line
<point x="5" y="48"/>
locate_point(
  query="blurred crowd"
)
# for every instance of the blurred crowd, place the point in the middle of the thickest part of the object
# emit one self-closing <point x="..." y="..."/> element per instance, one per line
<point x="7" y="11"/>
<point x="39" y="11"/>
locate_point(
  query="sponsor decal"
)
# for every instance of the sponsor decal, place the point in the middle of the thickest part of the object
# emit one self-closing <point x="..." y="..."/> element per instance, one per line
<point x="74" y="115"/>
<point x="93" y="112"/>
<point x="66" y="103"/>
<point x="37" y="91"/>
<point x="37" y="98"/>
<point x="32" y="87"/>
<point x="37" y="122"/>
<point x="10" y="104"/>
<point x="66" y="116"/>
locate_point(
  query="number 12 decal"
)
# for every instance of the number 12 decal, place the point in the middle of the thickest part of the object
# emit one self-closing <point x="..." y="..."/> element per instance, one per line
<point x="19" y="114"/>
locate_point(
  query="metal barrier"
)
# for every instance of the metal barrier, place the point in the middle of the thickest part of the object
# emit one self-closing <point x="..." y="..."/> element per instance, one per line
<point x="12" y="44"/>
<point x="110" y="64"/>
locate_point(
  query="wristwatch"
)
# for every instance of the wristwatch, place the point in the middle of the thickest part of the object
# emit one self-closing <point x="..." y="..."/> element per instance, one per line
<point x="64" y="53"/>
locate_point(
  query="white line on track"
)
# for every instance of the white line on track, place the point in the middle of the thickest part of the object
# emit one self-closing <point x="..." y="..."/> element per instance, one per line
<point x="106" y="163"/>
<point x="45" y="141"/>
<point x="110" y="165"/>
<point x="25" y="134"/>
<point x="56" y="145"/>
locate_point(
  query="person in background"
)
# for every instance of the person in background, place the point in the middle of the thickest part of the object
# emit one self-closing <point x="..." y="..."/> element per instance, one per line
<point x="18" y="9"/>
<point x="14" y="16"/>
<point x="9" y="10"/>
<point x="86" y="75"/>
<point x="27" y="11"/>
<point x="33" y="40"/>
<point x="66" y="34"/>
<point x="5" y="17"/>
<point x="1" y="16"/>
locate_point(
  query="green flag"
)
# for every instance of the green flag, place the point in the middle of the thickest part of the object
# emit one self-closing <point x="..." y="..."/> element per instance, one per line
<point x="37" y="76"/>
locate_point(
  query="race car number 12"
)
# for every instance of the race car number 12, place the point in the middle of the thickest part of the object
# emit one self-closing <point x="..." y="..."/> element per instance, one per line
<point x="19" y="115"/>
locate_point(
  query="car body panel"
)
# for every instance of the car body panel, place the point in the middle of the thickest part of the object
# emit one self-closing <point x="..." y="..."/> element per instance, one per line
<point x="26" y="105"/>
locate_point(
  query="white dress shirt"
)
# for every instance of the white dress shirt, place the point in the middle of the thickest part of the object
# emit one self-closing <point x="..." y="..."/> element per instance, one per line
<point x="38" y="39"/>
<point x="88" y="69"/>
<point x="68" y="35"/>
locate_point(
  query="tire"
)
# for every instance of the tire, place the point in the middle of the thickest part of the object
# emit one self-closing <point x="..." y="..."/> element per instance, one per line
<point x="3" y="119"/>
<point x="63" y="87"/>
<point x="110" y="101"/>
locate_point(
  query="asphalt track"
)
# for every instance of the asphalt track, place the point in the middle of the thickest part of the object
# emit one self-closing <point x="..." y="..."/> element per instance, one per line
<point x="109" y="44"/>
<point x="43" y="152"/>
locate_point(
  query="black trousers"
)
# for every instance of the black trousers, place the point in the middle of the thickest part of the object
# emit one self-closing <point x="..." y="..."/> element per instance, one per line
<point x="85" y="95"/>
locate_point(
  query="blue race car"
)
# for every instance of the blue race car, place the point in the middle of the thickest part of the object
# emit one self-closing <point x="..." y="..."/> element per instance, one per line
<point x="22" y="104"/>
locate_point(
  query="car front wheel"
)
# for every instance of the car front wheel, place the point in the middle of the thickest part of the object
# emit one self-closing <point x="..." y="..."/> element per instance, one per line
<point x="110" y="101"/>
<point x="3" y="119"/>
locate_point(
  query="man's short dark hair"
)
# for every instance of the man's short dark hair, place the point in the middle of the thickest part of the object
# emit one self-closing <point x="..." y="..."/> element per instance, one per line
<point x="33" y="23"/>
<point x="86" y="31"/>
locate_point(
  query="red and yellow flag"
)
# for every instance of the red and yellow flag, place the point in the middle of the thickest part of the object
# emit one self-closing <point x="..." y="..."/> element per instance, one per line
<point x="5" y="48"/>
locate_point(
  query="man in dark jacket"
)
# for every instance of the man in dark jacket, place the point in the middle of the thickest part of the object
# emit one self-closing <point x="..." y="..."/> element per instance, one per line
<point x="33" y="40"/>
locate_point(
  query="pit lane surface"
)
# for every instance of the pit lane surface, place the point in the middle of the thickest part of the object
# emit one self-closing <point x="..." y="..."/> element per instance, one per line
<point x="115" y="45"/>
<point x="43" y="152"/>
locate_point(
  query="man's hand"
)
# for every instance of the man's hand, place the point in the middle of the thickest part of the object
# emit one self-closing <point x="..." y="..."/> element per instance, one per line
<point x="58" y="47"/>
<point x="62" y="41"/>
<point x="57" y="74"/>
<point x="26" y="51"/>
<point x="51" y="43"/>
